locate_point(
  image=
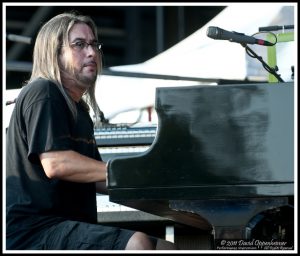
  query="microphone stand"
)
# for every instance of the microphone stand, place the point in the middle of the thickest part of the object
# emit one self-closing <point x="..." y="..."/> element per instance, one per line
<point x="265" y="65"/>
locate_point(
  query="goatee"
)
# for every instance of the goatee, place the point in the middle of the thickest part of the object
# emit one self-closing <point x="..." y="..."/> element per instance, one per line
<point x="87" y="81"/>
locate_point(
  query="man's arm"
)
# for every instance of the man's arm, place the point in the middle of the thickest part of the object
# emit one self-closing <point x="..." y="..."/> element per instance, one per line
<point x="72" y="166"/>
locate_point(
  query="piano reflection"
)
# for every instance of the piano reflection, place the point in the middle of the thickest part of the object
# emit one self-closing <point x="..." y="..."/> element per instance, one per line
<point x="222" y="160"/>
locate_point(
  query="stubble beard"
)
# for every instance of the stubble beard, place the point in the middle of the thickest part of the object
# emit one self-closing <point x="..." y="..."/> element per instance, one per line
<point x="86" y="81"/>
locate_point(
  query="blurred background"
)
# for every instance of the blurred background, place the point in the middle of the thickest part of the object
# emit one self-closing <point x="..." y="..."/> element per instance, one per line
<point x="146" y="46"/>
<point x="130" y="34"/>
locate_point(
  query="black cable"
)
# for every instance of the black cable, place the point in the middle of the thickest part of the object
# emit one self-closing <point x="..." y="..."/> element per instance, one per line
<point x="272" y="71"/>
<point x="259" y="33"/>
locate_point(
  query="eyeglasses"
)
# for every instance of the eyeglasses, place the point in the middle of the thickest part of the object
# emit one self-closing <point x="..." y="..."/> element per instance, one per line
<point x="80" y="45"/>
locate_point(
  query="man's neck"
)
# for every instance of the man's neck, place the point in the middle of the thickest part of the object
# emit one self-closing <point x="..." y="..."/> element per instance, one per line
<point x="74" y="90"/>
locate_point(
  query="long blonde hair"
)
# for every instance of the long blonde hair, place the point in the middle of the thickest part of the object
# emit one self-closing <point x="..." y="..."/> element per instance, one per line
<point x="49" y="40"/>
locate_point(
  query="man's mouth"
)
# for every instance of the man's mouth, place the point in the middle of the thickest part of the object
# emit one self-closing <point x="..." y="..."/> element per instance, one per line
<point x="90" y="64"/>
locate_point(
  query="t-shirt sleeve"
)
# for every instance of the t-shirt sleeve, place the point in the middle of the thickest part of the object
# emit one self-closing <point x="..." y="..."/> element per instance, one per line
<point x="48" y="127"/>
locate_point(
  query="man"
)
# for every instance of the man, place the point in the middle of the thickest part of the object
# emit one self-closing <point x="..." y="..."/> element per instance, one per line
<point x="53" y="165"/>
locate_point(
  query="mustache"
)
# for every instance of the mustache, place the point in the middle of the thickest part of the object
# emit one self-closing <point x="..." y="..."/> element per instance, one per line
<point x="94" y="63"/>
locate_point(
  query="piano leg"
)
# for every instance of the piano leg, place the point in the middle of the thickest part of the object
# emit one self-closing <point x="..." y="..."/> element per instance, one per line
<point x="230" y="218"/>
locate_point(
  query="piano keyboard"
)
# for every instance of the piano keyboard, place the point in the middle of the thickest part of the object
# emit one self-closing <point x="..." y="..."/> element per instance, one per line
<point x="124" y="135"/>
<point x="109" y="212"/>
<point x="104" y="205"/>
<point x="125" y="151"/>
<point x="124" y="141"/>
<point x="116" y="141"/>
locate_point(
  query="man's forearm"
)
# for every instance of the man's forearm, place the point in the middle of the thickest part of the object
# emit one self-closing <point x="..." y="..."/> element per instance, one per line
<point x="72" y="166"/>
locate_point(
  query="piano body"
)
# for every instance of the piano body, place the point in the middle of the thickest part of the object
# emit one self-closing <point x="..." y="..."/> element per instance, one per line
<point x="222" y="158"/>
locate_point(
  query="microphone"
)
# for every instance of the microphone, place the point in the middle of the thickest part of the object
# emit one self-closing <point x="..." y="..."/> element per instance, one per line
<point x="221" y="34"/>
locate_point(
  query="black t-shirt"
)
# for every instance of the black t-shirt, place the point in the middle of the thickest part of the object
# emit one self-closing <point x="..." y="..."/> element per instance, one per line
<point x="41" y="122"/>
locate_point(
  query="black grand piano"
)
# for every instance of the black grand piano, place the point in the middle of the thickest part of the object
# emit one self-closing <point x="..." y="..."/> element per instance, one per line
<point x="222" y="160"/>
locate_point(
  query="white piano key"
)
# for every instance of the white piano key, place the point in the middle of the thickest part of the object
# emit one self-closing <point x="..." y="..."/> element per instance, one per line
<point x="104" y="205"/>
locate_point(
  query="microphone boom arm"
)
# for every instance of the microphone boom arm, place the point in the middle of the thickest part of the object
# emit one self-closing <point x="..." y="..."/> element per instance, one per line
<point x="265" y="65"/>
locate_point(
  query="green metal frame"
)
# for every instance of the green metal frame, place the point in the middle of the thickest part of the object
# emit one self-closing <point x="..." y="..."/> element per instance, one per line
<point x="272" y="60"/>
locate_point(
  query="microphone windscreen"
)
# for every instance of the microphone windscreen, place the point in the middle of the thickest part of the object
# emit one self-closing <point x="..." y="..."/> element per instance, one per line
<point x="212" y="32"/>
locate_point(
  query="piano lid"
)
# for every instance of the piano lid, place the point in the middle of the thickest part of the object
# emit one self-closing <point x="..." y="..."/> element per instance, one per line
<point x="213" y="142"/>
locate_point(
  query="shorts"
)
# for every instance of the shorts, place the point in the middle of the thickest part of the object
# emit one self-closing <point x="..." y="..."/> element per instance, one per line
<point x="74" y="235"/>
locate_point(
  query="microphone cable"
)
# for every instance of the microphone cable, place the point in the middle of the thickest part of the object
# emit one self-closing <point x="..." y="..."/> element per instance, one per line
<point x="265" y="66"/>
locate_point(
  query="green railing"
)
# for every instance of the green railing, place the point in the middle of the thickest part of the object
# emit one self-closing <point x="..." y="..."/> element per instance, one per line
<point x="272" y="59"/>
